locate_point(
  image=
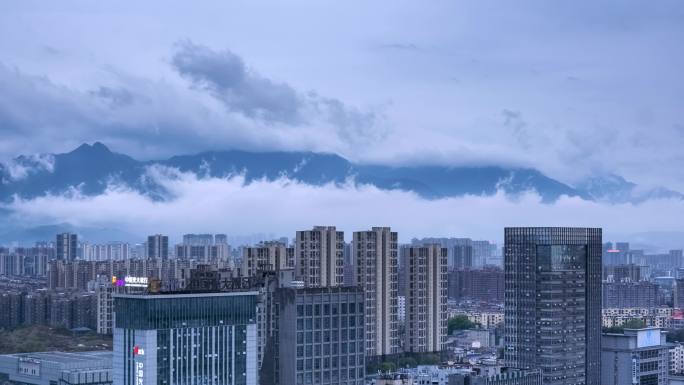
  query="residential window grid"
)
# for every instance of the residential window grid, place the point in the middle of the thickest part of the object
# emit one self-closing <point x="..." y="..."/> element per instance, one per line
<point x="426" y="300"/>
<point x="377" y="272"/>
<point x="267" y="256"/>
<point x="320" y="257"/>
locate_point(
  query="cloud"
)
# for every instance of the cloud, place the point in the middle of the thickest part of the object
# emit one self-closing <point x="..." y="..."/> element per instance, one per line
<point x="251" y="73"/>
<point x="145" y="118"/>
<point x="23" y="166"/>
<point x="513" y="120"/>
<point x="242" y="89"/>
<point x="117" y="97"/>
<point x="205" y="204"/>
<point x="399" y="46"/>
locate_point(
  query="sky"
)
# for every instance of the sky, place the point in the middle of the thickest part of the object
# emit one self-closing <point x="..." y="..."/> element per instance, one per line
<point x="574" y="89"/>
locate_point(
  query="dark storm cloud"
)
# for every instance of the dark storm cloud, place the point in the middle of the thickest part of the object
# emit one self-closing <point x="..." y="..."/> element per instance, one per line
<point x="58" y="118"/>
<point x="226" y="77"/>
<point x="152" y="119"/>
<point x="587" y="85"/>
<point x="242" y="89"/>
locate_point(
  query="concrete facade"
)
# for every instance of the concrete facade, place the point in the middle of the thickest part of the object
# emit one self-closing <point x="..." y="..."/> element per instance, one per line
<point x="426" y="298"/>
<point x="319" y="257"/>
<point x="637" y="357"/>
<point x="375" y="254"/>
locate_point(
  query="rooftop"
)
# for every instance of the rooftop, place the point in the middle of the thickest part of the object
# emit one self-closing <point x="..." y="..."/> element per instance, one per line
<point x="90" y="359"/>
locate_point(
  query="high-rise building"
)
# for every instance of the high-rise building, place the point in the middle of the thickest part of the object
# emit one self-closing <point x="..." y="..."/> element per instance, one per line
<point x="376" y="262"/>
<point x="203" y="252"/>
<point x="220" y="239"/>
<point x="482" y="253"/>
<point x="426" y="298"/>
<point x="486" y="284"/>
<point x="635" y="357"/>
<point x="553" y="302"/>
<point x="104" y="291"/>
<point x="349" y="266"/>
<point x="622" y="246"/>
<point x="622" y="273"/>
<point x="319" y="257"/>
<point x="66" y="246"/>
<point x="158" y="247"/>
<point x="637" y="257"/>
<point x="188" y="338"/>
<point x="320" y="338"/>
<point x="677" y="359"/>
<point x="676" y="258"/>
<point x="630" y="295"/>
<point x="678" y="294"/>
<point x="266" y="256"/>
<point x="463" y="254"/>
<point x="103" y="252"/>
<point x="198" y="239"/>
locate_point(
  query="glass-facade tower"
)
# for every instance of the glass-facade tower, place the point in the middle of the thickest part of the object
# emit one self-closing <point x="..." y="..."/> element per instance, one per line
<point x="553" y="302"/>
<point x="189" y="339"/>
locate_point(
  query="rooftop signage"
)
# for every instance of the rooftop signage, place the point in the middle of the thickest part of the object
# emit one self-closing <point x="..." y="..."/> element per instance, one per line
<point x="129" y="281"/>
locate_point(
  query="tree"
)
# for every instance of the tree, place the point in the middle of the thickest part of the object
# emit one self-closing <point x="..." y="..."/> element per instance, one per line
<point x="634" y="323"/>
<point x="388" y="367"/>
<point x="676" y="335"/>
<point x="460" y="322"/>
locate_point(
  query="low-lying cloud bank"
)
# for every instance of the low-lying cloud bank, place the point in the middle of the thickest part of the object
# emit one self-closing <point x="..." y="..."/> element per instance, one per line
<point x="202" y="204"/>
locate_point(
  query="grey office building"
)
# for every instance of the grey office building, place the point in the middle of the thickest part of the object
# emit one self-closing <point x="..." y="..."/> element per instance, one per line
<point x="185" y="338"/>
<point x="320" y="337"/>
<point x="635" y="357"/>
<point x="553" y="302"/>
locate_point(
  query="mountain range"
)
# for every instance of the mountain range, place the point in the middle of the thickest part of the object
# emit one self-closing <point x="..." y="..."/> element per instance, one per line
<point x="89" y="169"/>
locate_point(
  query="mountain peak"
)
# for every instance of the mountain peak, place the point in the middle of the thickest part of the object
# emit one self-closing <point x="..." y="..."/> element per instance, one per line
<point x="96" y="148"/>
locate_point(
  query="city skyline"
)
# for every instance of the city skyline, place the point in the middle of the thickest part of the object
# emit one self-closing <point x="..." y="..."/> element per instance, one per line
<point x="480" y="84"/>
<point x="252" y="192"/>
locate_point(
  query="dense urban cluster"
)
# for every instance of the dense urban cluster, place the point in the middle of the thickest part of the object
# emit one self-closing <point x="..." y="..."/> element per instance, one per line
<point x="552" y="306"/>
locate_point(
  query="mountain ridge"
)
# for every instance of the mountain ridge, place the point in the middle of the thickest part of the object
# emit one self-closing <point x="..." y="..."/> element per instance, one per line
<point x="90" y="168"/>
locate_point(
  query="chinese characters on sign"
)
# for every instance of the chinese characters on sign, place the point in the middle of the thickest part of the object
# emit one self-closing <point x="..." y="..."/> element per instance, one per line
<point x="130" y="281"/>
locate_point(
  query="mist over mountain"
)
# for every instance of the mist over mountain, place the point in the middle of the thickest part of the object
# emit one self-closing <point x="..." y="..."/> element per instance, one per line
<point x="92" y="170"/>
